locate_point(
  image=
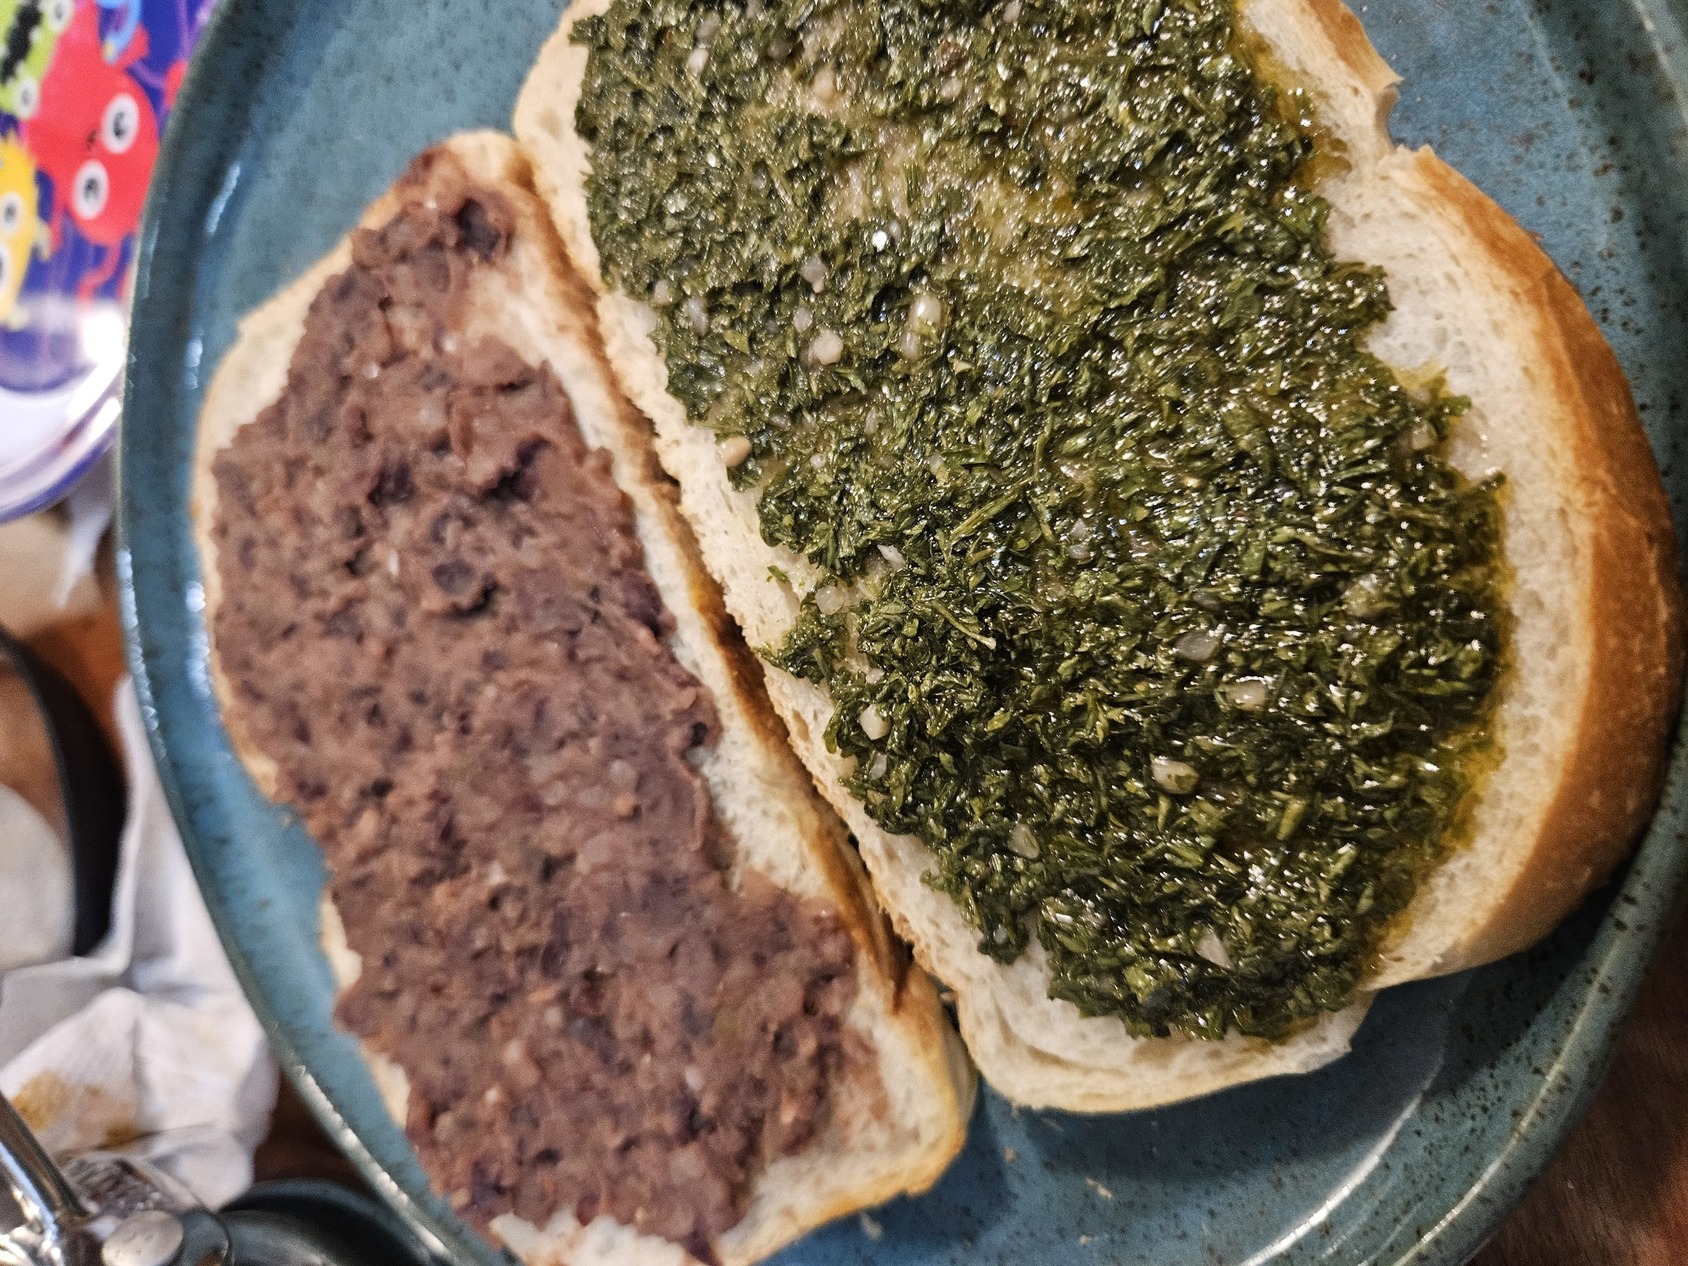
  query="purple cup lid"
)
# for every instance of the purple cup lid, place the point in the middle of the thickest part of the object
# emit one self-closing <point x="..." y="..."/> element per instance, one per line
<point x="85" y="87"/>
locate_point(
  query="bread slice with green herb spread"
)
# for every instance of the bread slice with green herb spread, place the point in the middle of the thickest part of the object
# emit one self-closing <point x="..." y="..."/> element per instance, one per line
<point x="1206" y="552"/>
<point x="612" y="963"/>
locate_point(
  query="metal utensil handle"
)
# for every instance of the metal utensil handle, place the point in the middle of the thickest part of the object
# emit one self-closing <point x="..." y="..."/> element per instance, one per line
<point x="40" y="1189"/>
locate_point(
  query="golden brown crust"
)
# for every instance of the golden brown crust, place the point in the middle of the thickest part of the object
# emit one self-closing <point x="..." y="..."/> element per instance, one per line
<point x="1348" y="40"/>
<point x="1634" y="599"/>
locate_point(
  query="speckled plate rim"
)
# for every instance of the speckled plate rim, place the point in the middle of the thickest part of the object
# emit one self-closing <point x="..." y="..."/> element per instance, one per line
<point x="1617" y="957"/>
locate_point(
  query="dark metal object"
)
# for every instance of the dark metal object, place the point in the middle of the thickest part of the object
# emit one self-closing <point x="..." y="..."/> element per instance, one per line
<point x="105" y="1210"/>
<point x="56" y="1216"/>
<point x="91" y="788"/>
<point x="354" y="1227"/>
<point x="36" y="1182"/>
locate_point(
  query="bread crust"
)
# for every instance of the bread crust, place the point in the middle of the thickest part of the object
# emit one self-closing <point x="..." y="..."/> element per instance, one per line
<point x="1626" y="588"/>
<point x="1630" y="699"/>
<point x="909" y="1045"/>
<point x="1348" y="40"/>
<point x="1615" y="686"/>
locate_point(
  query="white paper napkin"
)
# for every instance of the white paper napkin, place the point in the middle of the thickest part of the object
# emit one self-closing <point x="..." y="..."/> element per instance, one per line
<point x="146" y="1045"/>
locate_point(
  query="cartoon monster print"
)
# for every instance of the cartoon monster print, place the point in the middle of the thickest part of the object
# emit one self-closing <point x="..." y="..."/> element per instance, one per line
<point x="128" y="25"/>
<point x="95" y="135"/>
<point x="29" y="32"/>
<point x="21" y="231"/>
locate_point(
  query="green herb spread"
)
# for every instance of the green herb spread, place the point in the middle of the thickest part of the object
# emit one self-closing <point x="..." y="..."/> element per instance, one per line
<point x="1152" y="604"/>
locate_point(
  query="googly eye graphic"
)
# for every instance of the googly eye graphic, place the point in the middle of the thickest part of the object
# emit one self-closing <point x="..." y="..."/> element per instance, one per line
<point x="122" y="119"/>
<point x="11" y="213"/>
<point x="88" y="193"/>
<point x="26" y="97"/>
<point x="57" y="14"/>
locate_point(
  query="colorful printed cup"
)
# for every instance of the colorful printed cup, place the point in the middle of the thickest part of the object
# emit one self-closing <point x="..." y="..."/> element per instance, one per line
<point x="85" y="87"/>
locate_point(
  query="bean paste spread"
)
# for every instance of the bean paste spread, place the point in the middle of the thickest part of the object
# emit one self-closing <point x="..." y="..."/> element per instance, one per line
<point x="1150" y="601"/>
<point x="437" y="622"/>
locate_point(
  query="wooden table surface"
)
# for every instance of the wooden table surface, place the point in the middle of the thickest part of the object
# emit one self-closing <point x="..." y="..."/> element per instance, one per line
<point x="1616" y="1196"/>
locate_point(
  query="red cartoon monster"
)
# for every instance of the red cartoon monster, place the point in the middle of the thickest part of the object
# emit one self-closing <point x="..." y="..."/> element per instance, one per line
<point x="95" y="136"/>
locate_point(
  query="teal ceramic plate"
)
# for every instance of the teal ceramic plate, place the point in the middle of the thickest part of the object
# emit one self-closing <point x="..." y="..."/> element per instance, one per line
<point x="1412" y="1149"/>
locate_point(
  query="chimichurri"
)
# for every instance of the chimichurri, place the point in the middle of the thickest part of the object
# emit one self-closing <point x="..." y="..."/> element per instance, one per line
<point x="1153" y="606"/>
